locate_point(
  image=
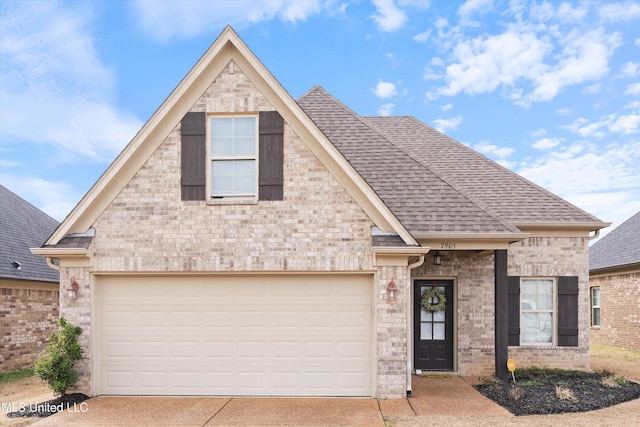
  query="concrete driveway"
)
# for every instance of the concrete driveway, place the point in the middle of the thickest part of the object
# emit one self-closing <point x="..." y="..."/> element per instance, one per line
<point x="448" y="395"/>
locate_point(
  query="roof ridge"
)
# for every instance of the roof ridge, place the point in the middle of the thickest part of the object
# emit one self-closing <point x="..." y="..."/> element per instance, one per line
<point x="516" y="175"/>
<point x="478" y="203"/>
<point x="493" y="163"/>
<point x="450" y="182"/>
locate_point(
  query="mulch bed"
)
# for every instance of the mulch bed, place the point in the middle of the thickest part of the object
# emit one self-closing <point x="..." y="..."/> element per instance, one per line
<point x="66" y="403"/>
<point x="536" y="392"/>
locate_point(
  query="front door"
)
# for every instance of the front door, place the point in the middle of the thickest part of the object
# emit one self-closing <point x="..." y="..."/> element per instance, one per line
<point x="433" y="325"/>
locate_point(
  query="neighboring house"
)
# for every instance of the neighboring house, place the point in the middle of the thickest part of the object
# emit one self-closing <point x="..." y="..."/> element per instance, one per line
<point x="614" y="279"/>
<point x="29" y="296"/>
<point x="245" y="243"/>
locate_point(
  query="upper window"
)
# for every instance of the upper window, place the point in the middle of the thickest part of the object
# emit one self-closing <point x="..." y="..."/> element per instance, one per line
<point x="595" y="306"/>
<point x="537" y="311"/>
<point x="232" y="153"/>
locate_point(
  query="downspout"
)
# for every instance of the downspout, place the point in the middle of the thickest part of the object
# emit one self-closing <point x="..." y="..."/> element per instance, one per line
<point x="595" y="235"/>
<point x="52" y="264"/>
<point x="411" y="266"/>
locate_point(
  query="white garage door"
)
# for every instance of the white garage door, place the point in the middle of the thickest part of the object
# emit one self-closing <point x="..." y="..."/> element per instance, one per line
<point x="260" y="335"/>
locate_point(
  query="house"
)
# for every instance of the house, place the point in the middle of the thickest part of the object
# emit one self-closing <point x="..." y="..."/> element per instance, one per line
<point x="614" y="282"/>
<point x="245" y="243"/>
<point x="29" y="297"/>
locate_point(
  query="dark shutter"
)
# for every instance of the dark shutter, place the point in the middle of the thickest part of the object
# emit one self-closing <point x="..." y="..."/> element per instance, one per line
<point x="513" y="290"/>
<point x="193" y="158"/>
<point x="271" y="149"/>
<point x="568" y="311"/>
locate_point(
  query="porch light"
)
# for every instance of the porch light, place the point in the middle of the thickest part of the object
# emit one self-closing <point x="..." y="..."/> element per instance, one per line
<point x="392" y="291"/>
<point x="72" y="289"/>
<point x="437" y="258"/>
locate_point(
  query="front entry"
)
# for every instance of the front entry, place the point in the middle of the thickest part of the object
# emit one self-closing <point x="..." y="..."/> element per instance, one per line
<point x="433" y="325"/>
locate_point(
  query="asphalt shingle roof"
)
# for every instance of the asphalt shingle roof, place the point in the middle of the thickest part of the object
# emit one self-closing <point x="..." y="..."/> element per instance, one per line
<point x="618" y="248"/>
<point x="432" y="183"/>
<point x="23" y="226"/>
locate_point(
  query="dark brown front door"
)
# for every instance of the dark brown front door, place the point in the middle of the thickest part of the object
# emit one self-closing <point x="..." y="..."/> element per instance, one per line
<point x="433" y="330"/>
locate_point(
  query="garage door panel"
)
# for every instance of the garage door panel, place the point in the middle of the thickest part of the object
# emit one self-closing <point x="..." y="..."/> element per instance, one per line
<point x="278" y="336"/>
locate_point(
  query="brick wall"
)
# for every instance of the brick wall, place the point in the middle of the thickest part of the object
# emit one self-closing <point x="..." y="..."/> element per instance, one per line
<point x="473" y="276"/>
<point x="28" y="317"/>
<point x="474" y="293"/>
<point x="552" y="257"/>
<point x="619" y="311"/>
<point x="317" y="227"/>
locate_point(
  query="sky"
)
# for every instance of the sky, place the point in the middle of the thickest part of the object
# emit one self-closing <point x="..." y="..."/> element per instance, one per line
<point x="548" y="89"/>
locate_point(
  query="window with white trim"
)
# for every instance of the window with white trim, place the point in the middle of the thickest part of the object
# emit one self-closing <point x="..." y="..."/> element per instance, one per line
<point x="233" y="142"/>
<point x="537" y="311"/>
<point x="595" y="306"/>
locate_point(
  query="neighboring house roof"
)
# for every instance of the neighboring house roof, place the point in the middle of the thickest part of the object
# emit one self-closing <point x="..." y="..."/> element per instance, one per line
<point x="619" y="248"/>
<point x="433" y="183"/>
<point x="23" y="226"/>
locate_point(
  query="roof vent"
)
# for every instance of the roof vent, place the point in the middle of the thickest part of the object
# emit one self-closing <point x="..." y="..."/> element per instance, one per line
<point x="16" y="265"/>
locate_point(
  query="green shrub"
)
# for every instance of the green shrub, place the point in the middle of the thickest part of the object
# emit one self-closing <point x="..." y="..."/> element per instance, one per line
<point x="55" y="364"/>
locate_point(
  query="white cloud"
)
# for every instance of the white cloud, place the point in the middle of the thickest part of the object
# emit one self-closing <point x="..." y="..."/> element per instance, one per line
<point x="563" y="111"/>
<point x="493" y="150"/>
<point x="385" y="109"/>
<point x="623" y="124"/>
<point x="422" y="37"/>
<point x="51" y="71"/>
<point x="546" y="143"/>
<point x="484" y="63"/>
<point x="167" y="19"/>
<point x="446" y="107"/>
<point x="616" y="12"/>
<point x="472" y="7"/>
<point x="530" y="61"/>
<point x="444" y="125"/>
<point x="388" y="16"/>
<point x="384" y="90"/>
<point x="633" y="89"/>
<point x="626" y="124"/>
<point x="631" y="69"/>
<point x="591" y="176"/>
<point x="55" y="198"/>
<point x="584" y="57"/>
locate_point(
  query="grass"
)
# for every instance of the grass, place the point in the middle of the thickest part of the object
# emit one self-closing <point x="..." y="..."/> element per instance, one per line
<point x="16" y="375"/>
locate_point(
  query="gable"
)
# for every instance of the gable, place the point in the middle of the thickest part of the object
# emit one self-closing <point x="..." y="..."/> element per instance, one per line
<point x="228" y="47"/>
<point x="150" y="227"/>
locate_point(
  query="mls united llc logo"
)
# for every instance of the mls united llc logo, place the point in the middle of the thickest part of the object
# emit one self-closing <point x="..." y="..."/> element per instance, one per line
<point x="44" y="407"/>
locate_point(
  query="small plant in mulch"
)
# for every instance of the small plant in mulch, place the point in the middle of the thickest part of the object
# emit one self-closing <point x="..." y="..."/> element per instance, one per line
<point x="555" y="391"/>
<point x="55" y="366"/>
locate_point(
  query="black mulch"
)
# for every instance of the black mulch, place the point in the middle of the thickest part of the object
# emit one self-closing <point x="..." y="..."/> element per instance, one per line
<point x="66" y="403"/>
<point x="536" y="392"/>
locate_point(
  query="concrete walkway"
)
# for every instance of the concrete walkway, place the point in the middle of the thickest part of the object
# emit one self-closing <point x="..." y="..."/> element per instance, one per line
<point x="437" y="395"/>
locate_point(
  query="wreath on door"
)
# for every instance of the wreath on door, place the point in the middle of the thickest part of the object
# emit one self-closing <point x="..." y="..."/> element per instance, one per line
<point x="438" y="298"/>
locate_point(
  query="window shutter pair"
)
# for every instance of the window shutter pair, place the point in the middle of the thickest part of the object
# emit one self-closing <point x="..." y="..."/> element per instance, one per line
<point x="193" y="167"/>
<point x="567" y="311"/>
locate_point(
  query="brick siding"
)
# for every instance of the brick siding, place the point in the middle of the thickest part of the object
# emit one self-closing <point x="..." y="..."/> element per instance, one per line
<point x="551" y="257"/>
<point x="619" y="311"/>
<point x="28" y="317"/>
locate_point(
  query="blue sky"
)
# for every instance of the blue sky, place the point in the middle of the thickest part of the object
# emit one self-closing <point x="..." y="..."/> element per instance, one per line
<point x="549" y="89"/>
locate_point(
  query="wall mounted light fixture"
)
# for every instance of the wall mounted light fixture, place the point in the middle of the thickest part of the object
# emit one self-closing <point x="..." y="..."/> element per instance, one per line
<point x="437" y="258"/>
<point x="392" y="291"/>
<point x="72" y="289"/>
